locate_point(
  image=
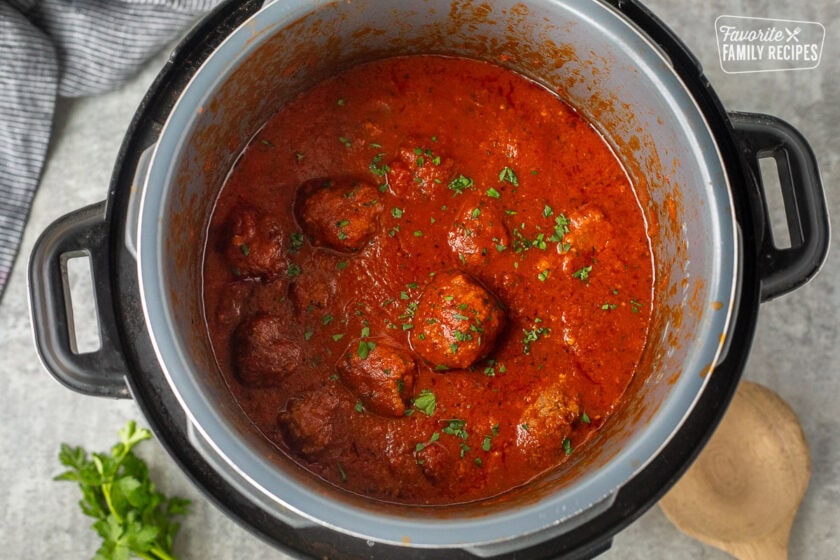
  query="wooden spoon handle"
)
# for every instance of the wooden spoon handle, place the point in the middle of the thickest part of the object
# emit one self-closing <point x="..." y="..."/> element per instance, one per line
<point x="773" y="547"/>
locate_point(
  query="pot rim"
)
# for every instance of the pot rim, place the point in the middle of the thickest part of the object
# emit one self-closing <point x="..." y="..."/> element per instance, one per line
<point x="426" y="532"/>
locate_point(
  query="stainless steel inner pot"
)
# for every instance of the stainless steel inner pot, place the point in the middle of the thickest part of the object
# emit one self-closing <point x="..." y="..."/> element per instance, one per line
<point x="604" y="67"/>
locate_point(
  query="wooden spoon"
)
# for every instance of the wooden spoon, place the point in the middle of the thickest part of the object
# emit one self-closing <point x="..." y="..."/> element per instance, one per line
<point x="742" y="493"/>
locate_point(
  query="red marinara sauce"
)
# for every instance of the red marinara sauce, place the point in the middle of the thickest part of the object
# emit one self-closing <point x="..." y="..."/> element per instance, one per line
<point x="428" y="280"/>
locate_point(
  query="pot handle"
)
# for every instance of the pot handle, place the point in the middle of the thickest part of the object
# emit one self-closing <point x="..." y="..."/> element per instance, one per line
<point x="783" y="270"/>
<point x="83" y="233"/>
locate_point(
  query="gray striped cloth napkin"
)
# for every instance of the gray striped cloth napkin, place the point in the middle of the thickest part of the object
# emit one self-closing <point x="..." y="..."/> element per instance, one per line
<point x="69" y="48"/>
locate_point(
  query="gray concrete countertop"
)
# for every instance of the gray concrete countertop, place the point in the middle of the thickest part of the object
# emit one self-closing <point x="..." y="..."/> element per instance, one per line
<point x="796" y="351"/>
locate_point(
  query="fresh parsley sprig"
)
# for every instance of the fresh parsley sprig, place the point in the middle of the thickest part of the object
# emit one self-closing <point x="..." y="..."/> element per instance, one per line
<point x="132" y="517"/>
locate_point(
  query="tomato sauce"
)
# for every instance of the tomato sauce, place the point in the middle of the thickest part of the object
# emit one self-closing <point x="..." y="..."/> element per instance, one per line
<point x="427" y="280"/>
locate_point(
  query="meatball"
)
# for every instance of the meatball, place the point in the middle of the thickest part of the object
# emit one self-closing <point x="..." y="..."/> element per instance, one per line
<point x="589" y="233"/>
<point x="308" y="423"/>
<point x="316" y="284"/>
<point x="478" y="231"/>
<point x="547" y="419"/>
<point x="253" y="244"/>
<point x="457" y="321"/>
<point x="383" y="380"/>
<point x="231" y="301"/>
<point x="419" y="173"/>
<point x="436" y="462"/>
<point x="341" y="214"/>
<point x="264" y="353"/>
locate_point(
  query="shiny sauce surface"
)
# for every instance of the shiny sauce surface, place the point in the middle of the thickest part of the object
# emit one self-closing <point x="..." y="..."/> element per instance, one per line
<point x="428" y="280"/>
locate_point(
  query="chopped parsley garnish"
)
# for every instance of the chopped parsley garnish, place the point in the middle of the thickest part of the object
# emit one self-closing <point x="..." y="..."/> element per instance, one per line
<point x="377" y="167"/>
<point x="584" y="417"/>
<point x="421" y="446"/>
<point x="485" y="445"/>
<point x="543" y="276"/>
<point x="341" y="265"/>
<point x="608" y="306"/>
<point x="547" y="211"/>
<point x="426" y="402"/>
<point x="337" y="337"/>
<point x="359" y="406"/>
<point x="508" y="175"/>
<point x="561" y="228"/>
<point x="410" y="310"/>
<point x="245" y="248"/>
<point x="326" y="319"/>
<point x="522" y="243"/>
<point x="307" y="335"/>
<point x="397" y="212"/>
<point x="582" y="274"/>
<point x="340" y="102"/>
<point x="462" y="336"/>
<point x="567" y="446"/>
<point x="533" y="335"/>
<point x="293" y="271"/>
<point x="365" y="348"/>
<point x="441" y="367"/>
<point x="635" y="306"/>
<point x="475" y="213"/>
<point x="412" y="286"/>
<point x="456" y="427"/>
<point x="365" y="332"/>
<point x="418" y="233"/>
<point x="299" y="157"/>
<point x="346" y="141"/>
<point x="297" y="240"/>
<point x="341" y="472"/>
<point x="493" y="193"/>
<point x="404" y="295"/>
<point x="422" y="155"/>
<point x="459" y="184"/>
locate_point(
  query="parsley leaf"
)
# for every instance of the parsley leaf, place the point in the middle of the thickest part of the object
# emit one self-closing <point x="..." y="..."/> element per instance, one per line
<point x="459" y="184"/>
<point x="582" y="274"/>
<point x="508" y="175"/>
<point x="426" y="402"/>
<point x="132" y="516"/>
<point x="456" y="427"/>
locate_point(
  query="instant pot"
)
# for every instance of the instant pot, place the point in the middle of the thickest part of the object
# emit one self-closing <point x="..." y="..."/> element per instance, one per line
<point x="696" y="170"/>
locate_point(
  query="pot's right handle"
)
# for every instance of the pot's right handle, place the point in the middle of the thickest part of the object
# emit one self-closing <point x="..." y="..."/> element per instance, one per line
<point x="783" y="270"/>
<point x="83" y="233"/>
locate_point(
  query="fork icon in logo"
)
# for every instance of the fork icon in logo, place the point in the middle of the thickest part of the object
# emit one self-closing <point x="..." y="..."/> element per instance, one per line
<point x="793" y="34"/>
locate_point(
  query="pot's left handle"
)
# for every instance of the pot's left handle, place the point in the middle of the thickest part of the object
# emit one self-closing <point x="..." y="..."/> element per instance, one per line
<point x="83" y="233"/>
